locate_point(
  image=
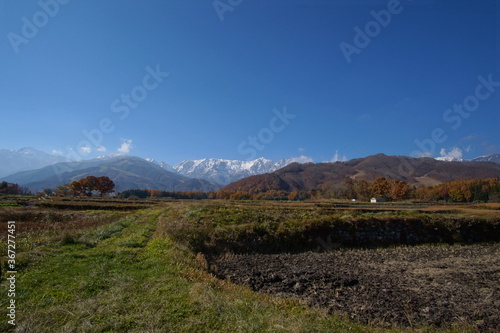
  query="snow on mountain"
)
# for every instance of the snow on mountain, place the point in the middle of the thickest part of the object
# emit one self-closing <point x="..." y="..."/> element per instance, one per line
<point x="487" y="158"/>
<point x="453" y="155"/>
<point x="110" y="156"/>
<point x="227" y="171"/>
<point x="449" y="159"/>
<point x="161" y="164"/>
<point x="12" y="161"/>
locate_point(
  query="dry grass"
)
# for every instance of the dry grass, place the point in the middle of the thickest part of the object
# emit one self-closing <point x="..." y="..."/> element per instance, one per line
<point x="491" y="210"/>
<point x="52" y="220"/>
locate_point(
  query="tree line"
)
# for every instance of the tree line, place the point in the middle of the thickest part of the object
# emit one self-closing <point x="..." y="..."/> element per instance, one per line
<point x="471" y="190"/>
<point x="486" y="190"/>
<point x="390" y="189"/>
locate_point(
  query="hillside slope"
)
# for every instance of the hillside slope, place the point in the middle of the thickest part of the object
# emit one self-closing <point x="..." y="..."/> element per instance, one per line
<point x="415" y="171"/>
<point x="126" y="171"/>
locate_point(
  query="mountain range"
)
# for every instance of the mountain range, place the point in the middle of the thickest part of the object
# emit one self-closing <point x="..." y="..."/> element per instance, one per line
<point x="38" y="170"/>
<point x="127" y="172"/>
<point x="227" y="171"/>
<point x="415" y="171"/>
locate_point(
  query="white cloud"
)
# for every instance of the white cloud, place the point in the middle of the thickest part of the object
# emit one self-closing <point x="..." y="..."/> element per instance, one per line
<point x="101" y="149"/>
<point x="302" y="159"/>
<point x="57" y="152"/>
<point x="338" y="158"/>
<point x="86" y="149"/>
<point x="454" y="154"/>
<point x="126" y="146"/>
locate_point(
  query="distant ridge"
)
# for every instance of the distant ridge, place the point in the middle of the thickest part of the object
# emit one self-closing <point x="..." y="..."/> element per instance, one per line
<point x="12" y="161"/>
<point x="128" y="172"/>
<point x="495" y="158"/>
<point x="415" y="171"/>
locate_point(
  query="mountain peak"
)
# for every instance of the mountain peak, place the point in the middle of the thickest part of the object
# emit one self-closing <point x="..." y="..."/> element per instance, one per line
<point x="227" y="171"/>
<point x="161" y="164"/>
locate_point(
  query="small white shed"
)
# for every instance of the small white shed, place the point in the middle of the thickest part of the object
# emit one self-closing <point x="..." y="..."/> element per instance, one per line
<point x="377" y="199"/>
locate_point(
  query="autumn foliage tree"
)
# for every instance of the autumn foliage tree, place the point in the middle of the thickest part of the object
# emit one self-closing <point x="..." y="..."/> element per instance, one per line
<point x="362" y="189"/>
<point x="398" y="189"/>
<point x="380" y="187"/>
<point x="469" y="190"/>
<point x="155" y="193"/>
<point x="349" y="191"/>
<point x="9" y="188"/>
<point x="86" y="186"/>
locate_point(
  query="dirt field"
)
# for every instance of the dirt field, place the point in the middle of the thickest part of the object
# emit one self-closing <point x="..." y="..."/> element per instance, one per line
<point x="405" y="286"/>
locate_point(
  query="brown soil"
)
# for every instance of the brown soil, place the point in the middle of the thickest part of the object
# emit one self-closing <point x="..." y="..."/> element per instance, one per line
<point x="405" y="286"/>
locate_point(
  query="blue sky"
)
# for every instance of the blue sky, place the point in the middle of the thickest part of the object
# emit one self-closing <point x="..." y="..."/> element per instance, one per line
<point x="186" y="79"/>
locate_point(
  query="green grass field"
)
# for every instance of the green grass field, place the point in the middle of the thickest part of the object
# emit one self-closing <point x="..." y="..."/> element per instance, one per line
<point x="134" y="271"/>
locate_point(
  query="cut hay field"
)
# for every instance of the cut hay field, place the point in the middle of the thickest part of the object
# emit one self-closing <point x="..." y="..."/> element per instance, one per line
<point x="156" y="266"/>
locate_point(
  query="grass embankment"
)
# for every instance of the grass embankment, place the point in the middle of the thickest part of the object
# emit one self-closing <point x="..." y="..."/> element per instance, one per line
<point x="128" y="276"/>
<point x="263" y="227"/>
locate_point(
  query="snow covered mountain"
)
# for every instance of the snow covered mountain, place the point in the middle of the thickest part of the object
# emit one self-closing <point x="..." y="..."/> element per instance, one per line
<point x="487" y="158"/>
<point x="227" y="171"/>
<point x="12" y="161"/>
<point x="161" y="164"/>
<point x="458" y="158"/>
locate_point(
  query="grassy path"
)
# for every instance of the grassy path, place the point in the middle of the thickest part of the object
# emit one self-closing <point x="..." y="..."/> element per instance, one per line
<point x="128" y="276"/>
